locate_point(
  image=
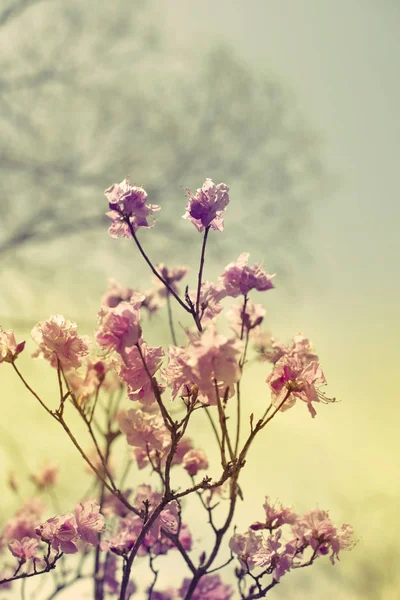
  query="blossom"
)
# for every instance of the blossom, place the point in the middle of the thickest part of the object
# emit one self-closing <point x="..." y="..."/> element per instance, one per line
<point x="127" y="203"/>
<point x="115" y="294"/>
<point x="136" y="375"/>
<point x="120" y="329"/>
<point x="194" y="461"/>
<point x="267" y="348"/>
<point x="59" y="341"/>
<point x="206" y="207"/>
<point x="245" y="546"/>
<point x="276" y="516"/>
<point x="317" y="530"/>
<point x="238" y="278"/>
<point x="292" y="380"/>
<point x="210" y="361"/>
<point x="89" y="521"/>
<point x="184" y="445"/>
<point x="24" y="521"/>
<point x="171" y="276"/>
<point x="122" y="541"/>
<point x="60" y="533"/>
<point x="271" y="555"/>
<point x="247" y="320"/>
<point x="210" y="587"/>
<point x="9" y="349"/>
<point x="143" y="430"/>
<point x="211" y="295"/>
<point x="46" y="477"/>
<point x="24" y="549"/>
<point x="86" y="385"/>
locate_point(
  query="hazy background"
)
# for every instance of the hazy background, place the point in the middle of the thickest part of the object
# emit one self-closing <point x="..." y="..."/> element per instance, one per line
<point x="295" y="105"/>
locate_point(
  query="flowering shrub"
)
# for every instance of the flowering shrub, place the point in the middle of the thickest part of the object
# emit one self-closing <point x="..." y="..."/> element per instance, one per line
<point x="123" y="524"/>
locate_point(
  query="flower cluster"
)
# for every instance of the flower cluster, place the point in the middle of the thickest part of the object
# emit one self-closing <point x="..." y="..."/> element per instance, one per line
<point x="206" y="207"/>
<point x="128" y="209"/>
<point x="59" y="343"/>
<point x="308" y="537"/>
<point x="196" y="382"/>
<point x="9" y="349"/>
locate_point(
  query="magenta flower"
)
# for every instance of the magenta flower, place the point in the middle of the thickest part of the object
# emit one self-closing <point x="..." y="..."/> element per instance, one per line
<point x="89" y="521"/>
<point x="245" y="321"/>
<point x="289" y="376"/>
<point x="276" y="516"/>
<point x="184" y="445"/>
<point x="135" y="375"/>
<point x="115" y="294"/>
<point x="194" y="461"/>
<point x="272" y="557"/>
<point x="144" y="430"/>
<point x="58" y="340"/>
<point x="206" y="207"/>
<point x="246" y="546"/>
<point x="24" y="549"/>
<point x="128" y="203"/>
<point x="9" y="349"/>
<point x="238" y="278"/>
<point x="60" y="533"/>
<point x="317" y="530"/>
<point x="86" y="385"/>
<point x="129" y="528"/>
<point x="207" y="359"/>
<point x="210" y="587"/>
<point x="172" y="277"/>
<point x="119" y="328"/>
<point x="211" y="295"/>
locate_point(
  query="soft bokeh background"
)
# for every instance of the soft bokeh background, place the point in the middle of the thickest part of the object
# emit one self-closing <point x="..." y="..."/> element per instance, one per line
<point x="173" y="92"/>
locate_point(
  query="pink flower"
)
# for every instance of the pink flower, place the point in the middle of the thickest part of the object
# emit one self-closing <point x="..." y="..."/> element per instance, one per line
<point x="85" y="386"/>
<point x="9" y="349"/>
<point x="184" y="445"/>
<point x="168" y="519"/>
<point x="47" y="477"/>
<point x="271" y="556"/>
<point x="89" y="521"/>
<point x="246" y="546"/>
<point x="115" y="294"/>
<point x="211" y="295"/>
<point x="25" y="549"/>
<point x="276" y="516"/>
<point x="60" y="533"/>
<point x="245" y="321"/>
<point x="171" y="276"/>
<point x="128" y="203"/>
<point x="289" y="376"/>
<point x="58" y="340"/>
<point x="210" y="587"/>
<point x="317" y="530"/>
<point x="206" y="207"/>
<point x="120" y="328"/>
<point x="24" y="522"/>
<point x="267" y="348"/>
<point x="208" y="358"/>
<point x="194" y="461"/>
<point x="143" y="430"/>
<point x="135" y="375"/>
<point x="122" y="542"/>
<point x="238" y="278"/>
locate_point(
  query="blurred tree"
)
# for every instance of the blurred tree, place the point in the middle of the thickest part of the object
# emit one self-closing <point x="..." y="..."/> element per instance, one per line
<point x="93" y="92"/>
